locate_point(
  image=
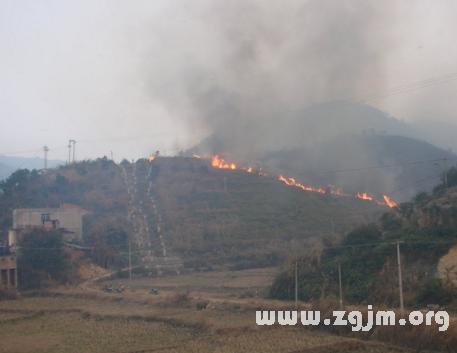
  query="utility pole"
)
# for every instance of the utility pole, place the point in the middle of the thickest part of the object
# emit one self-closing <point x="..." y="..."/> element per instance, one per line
<point x="400" y="281"/>
<point x="130" y="261"/>
<point x="74" y="149"/>
<point x="340" y="285"/>
<point x="69" y="151"/>
<point x="296" y="284"/>
<point x="45" y="150"/>
<point x="445" y="173"/>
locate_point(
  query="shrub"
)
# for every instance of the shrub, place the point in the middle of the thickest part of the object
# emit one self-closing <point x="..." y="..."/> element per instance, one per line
<point x="41" y="258"/>
<point x="436" y="292"/>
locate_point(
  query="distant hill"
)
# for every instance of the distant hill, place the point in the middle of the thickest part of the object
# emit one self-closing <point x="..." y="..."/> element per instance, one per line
<point x="439" y="133"/>
<point x="379" y="164"/>
<point x="9" y="164"/>
<point x="5" y="170"/>
<point x="318" y="143"/>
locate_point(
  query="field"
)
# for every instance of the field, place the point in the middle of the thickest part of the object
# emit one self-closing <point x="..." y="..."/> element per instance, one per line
<point x="208" y="312"/>
<point x="224" y="284"/>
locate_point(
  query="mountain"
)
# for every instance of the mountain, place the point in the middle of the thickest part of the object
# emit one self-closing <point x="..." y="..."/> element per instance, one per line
<point x="182" y="212"/>
<point x="353" y="146"/>
<point x="302" y="128"/>
<point x="9" y="164"/>
<point x="5" y="170"/>
<point x="379" y="164"/>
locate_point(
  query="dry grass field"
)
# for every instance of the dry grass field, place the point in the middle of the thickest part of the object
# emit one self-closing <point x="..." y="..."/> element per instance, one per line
<point x="192" y="313"/>
<point x="223" y="284"/>
<point x="62" y="324"/>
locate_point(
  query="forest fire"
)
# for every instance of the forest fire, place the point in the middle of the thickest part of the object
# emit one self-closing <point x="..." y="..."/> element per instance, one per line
<point x="293" y="182"/>
<point x="389" y="202"/>
<point x="220" y="163"/>
<point x="364" y="196"/>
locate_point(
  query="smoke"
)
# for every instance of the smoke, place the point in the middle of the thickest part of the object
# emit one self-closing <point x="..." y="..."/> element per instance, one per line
<point x="240" y="69"/>
<point x="256" y="76"/>
<point x="270" y="82"/>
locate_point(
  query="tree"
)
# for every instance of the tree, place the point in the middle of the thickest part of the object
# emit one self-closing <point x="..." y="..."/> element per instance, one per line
<point x="41" y="258"/>
<point x="362" y="235"/>
<point x="108" y="236"/>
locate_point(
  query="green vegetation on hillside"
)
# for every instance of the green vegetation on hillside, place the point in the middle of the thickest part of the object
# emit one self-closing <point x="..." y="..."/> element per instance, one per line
<point x="426" y="229"/>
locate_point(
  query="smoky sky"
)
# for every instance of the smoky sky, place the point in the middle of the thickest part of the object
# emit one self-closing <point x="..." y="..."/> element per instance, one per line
<point x="133" y="77"/>
<point x="273" y="59"/>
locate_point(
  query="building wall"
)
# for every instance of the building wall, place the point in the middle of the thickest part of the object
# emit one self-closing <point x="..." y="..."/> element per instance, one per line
<point x="8" y="271"/>
<point x="12" y="238"/>
<point x="69" y="218"/>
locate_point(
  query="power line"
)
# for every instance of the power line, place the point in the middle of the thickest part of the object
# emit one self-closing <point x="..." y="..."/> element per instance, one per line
<point x="388" y="165"/>
<point x="45" y="150"/>
<point x="414" y="183"/>
<point x="59" y="147"/>
<point x="410" y="87"/>
<point x="348" y="246"/>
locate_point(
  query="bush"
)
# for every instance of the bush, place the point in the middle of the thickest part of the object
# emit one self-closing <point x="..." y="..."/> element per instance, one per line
<point x="436" y="292"/>
<point x="42" y="259"/>
<point x="365" y="234"/>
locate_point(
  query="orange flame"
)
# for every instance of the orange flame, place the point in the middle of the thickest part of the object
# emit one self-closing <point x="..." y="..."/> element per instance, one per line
<point x="220" y="163"/>
<point x="194" y="155"/>
<point x="389" y="202"/>
<point x="151" y="157"/>
<point x="293" y="182"/>
<point x="364" y="196"/>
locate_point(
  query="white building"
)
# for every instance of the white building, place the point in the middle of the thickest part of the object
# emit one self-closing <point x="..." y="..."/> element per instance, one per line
<point x="67" y="217"/>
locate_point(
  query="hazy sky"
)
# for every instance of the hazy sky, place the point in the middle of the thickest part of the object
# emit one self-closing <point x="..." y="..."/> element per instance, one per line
<point x="121" y="76"/>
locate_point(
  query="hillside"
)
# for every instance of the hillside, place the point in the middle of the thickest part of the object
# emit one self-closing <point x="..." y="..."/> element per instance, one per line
<point x="181" y="211"/>
<point x="426" y="228"/>
<point x="225" y="216"/>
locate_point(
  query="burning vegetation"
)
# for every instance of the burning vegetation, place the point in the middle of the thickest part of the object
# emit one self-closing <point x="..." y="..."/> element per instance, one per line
<point x="219" y="163"/>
